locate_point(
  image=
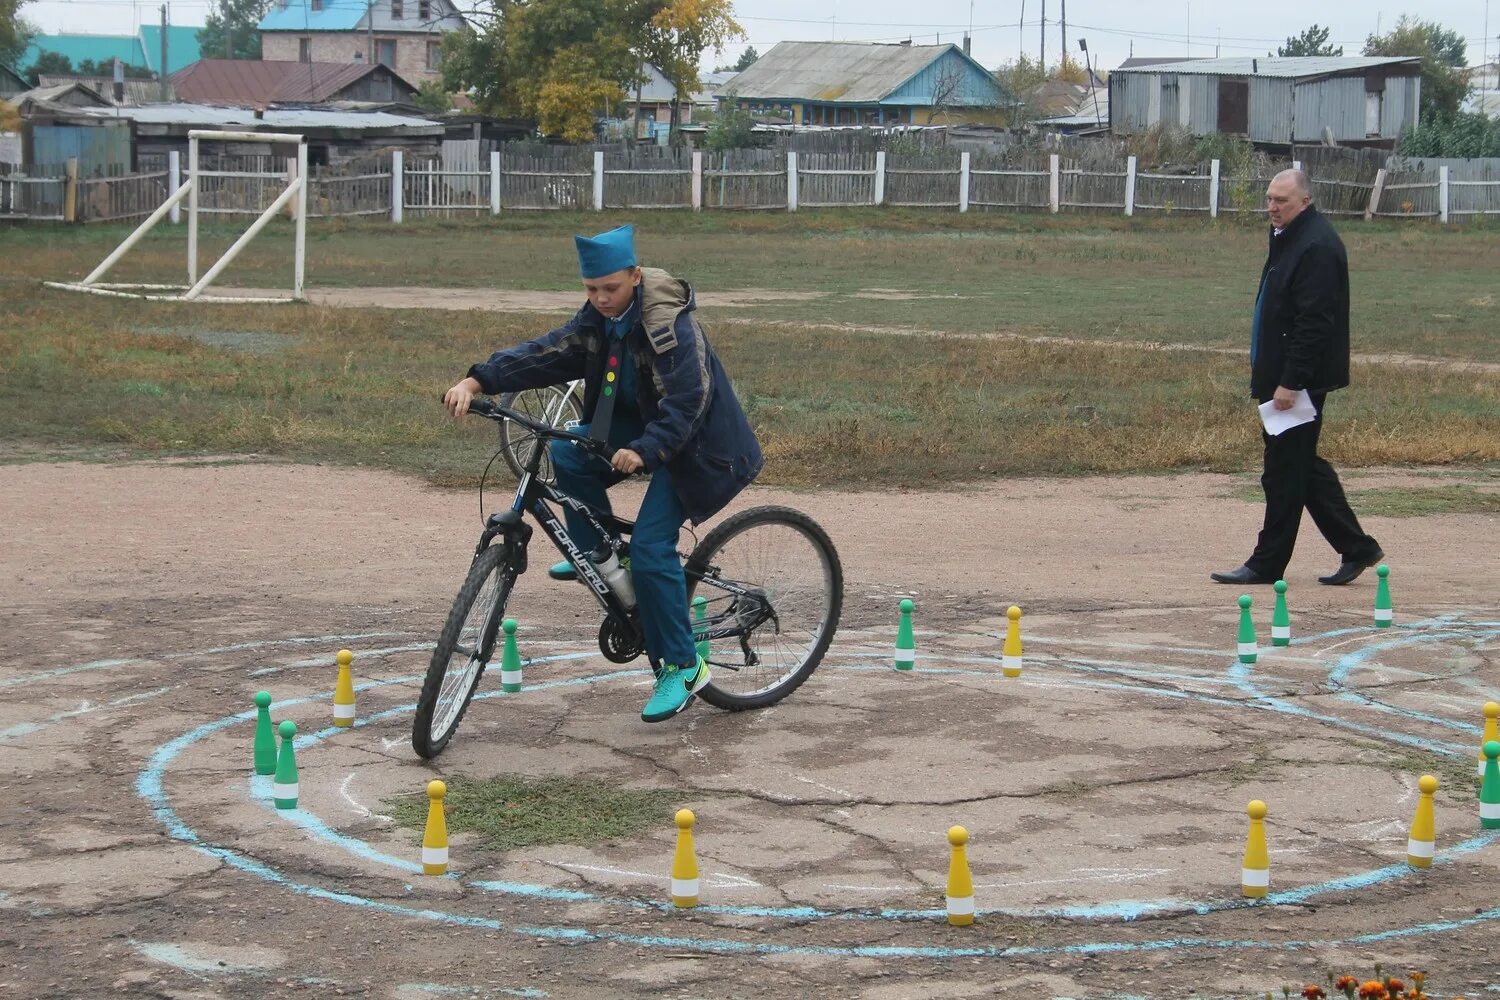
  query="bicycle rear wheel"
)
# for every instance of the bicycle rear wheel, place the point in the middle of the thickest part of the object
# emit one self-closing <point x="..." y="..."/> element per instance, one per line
<point x="554" y="405"/>
<point x="463" y="649"/>
<point x="790" y="565"/>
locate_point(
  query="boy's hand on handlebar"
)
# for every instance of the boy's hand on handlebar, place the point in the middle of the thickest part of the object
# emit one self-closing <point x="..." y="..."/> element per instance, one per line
<point x="627" y="461"/>
<point x="458" y="398"/>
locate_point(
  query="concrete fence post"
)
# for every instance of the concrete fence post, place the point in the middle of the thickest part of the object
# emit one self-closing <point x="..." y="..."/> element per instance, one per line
<point x="791" y="180"/>
<point x="1054" y="190"/>
<point x="963" y="181"/>
<point x="398" y="185"/>
<point x="598" y="180"/>
<point x="494" y="182"/>
<point x="1213" y="190"/>
<point x="697" y="180"/>
<point x="1130" y="186"/>
<point x="1443" y="194"/>
<point x="880" y="177"/>
<point x="174" y="181"/>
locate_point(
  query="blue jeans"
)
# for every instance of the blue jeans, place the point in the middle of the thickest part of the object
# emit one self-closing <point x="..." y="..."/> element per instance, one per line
<point x="655" y="569"/>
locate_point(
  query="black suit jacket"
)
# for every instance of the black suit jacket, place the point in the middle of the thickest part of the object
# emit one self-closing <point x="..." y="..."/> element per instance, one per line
<point x="1304" y="331"/>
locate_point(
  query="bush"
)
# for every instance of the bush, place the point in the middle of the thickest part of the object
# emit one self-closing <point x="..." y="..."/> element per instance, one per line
<point x="1465" y="134"/>
<point x="732" y="128"/>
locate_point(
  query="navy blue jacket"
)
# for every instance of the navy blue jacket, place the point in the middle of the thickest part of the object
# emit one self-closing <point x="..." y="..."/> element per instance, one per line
<point x="1304" y="331"/>
<point x="695" y="426"/>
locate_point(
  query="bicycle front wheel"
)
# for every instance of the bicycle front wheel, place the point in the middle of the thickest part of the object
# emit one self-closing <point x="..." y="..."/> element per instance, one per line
<point x="463" y="649"/>
<point x="554" y="405"/>
<point x="789" y="565"/>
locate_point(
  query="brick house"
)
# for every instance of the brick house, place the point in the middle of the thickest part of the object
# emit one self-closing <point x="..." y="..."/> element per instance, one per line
<point x="406" y="35"/>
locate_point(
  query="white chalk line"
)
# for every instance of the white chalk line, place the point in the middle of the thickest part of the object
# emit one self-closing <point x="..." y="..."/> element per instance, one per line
<point x="356" y="805"/>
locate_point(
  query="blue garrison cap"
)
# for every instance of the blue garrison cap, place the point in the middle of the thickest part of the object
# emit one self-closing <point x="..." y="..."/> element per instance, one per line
<point x="606" y="253"/>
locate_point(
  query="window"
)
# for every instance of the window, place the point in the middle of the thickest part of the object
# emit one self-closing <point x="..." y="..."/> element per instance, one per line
<point x="434" y="55"/>
<point x="385" y="52"/>
<point x="304" y="50"/>
<point x="424" y="10"/>
<point x="396" y="12"/>
<point x="316" y="5"/>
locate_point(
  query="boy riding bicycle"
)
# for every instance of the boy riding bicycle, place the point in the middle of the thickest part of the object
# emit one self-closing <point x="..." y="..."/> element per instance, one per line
<point x="655" y="392"/>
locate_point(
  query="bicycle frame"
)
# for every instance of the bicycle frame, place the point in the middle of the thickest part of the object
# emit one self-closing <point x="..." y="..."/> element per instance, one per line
<point x="532" y="497"/>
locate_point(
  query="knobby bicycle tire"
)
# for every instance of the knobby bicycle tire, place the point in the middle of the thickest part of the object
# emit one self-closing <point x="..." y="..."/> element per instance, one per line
<point x="736" y="526"/>
<point x="497" y="560"/>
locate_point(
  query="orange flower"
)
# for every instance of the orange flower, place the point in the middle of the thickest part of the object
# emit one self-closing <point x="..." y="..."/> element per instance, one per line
<point x="1372" y="990"/>
<point x="1394" y="987"/>
<point x="1344" y="982"/>
<point x="1313" y="992"/>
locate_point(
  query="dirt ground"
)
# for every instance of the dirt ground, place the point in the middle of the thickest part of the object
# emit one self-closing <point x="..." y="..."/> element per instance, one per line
<point x="144" y="603"/>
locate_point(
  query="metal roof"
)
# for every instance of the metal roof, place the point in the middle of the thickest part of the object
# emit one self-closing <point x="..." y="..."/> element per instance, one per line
<point x="844" y="72"/>
<point x="136" y="91"/>
<point x="58" y="93"/>
<point x="1279" y="66"/>
<point x="299" y="15"/>
<point x="260" y="81"/>
<point x="271" y="119"/>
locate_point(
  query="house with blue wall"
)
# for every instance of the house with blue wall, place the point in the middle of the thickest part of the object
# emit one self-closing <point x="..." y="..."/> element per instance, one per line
<point x="867" y="83"/>
<point x="141" y="49"/>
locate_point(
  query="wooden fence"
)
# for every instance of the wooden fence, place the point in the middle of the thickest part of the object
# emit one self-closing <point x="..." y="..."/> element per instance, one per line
<point x="474" y="181"/>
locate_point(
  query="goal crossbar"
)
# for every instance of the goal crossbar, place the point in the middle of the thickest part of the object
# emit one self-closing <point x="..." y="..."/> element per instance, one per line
<point x="189" y="190"/>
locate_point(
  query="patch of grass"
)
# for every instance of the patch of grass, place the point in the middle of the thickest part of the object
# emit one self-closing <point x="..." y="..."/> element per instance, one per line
<point x="1418" y="501"/>
<point x="1415" y="289"/>
<point x="1457" y="780"/>
<point x="510" y="813"/>
<point x="831" y="408"/>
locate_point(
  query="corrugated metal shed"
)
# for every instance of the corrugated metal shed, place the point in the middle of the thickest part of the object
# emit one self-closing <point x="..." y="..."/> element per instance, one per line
<point x="836" y="72"/>
<point x="1288" y="66"/>
<point x="71" y="94"/>
<point x="261" y="82"/>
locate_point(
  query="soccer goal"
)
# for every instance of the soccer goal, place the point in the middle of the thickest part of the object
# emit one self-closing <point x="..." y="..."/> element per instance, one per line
<point x="189" y="191"/>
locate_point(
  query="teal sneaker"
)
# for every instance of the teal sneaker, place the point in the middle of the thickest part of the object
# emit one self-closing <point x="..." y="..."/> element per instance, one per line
<point x="562" y="571"/>
<point x="675" y="687"/>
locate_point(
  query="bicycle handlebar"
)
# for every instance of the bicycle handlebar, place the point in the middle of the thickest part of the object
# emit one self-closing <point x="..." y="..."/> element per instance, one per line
<point x="494" y="411"/>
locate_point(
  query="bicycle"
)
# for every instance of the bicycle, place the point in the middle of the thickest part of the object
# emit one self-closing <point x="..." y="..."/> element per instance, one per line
<point x="553" y="405"/>
<point x="771" y="578"/>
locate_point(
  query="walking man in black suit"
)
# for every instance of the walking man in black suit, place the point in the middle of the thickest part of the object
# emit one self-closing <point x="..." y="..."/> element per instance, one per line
<point x="1300" y="340"/>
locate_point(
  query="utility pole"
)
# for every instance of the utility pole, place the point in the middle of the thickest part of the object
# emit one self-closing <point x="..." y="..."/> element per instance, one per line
<point x="1021" y="34"/>
<point x="370" y="32"/>
<point x="1041" y="52"/>
<point x="1064" y="23"/>
<point x="161" y="73"/>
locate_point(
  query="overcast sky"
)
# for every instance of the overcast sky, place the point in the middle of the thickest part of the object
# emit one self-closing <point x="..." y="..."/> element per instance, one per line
<point x="1113" y="28"/>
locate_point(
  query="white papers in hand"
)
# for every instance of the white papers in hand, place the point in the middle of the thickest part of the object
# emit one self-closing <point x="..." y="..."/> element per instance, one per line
<point x="1279" y="421"/>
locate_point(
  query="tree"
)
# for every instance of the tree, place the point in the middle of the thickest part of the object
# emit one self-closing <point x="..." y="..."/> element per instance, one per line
<point x="433" y="97"/>
<point x="560" y="63"/>
<point x="1444" y="58"/>
<point x="47" y="62"/>
<point x="1312" y="42"/>
<point x="106" y="68"/>
<point x="732" y="128"/>
<point x="15" y="31"/>
<point x="744" y="62"/>
<point x="565" y="63"/>
<point x="231" y="30"/>
<point x="675" y="38"/>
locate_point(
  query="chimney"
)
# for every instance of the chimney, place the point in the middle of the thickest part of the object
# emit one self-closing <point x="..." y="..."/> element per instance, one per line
<point x="907" y="42"/>
<point x="1254" y="65"/>
<point x="966" y="43"/>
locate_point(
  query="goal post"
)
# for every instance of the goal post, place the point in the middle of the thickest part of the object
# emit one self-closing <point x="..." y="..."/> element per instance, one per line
<point x="190" y="190"/>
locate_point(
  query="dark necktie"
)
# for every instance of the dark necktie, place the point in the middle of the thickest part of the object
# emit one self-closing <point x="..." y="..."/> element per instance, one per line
<point x="604" y="408"/>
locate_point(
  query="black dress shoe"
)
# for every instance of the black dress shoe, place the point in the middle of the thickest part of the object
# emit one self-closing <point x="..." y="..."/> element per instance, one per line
<point x="1351" y="568"/>
<point x="1242" y="575"/>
